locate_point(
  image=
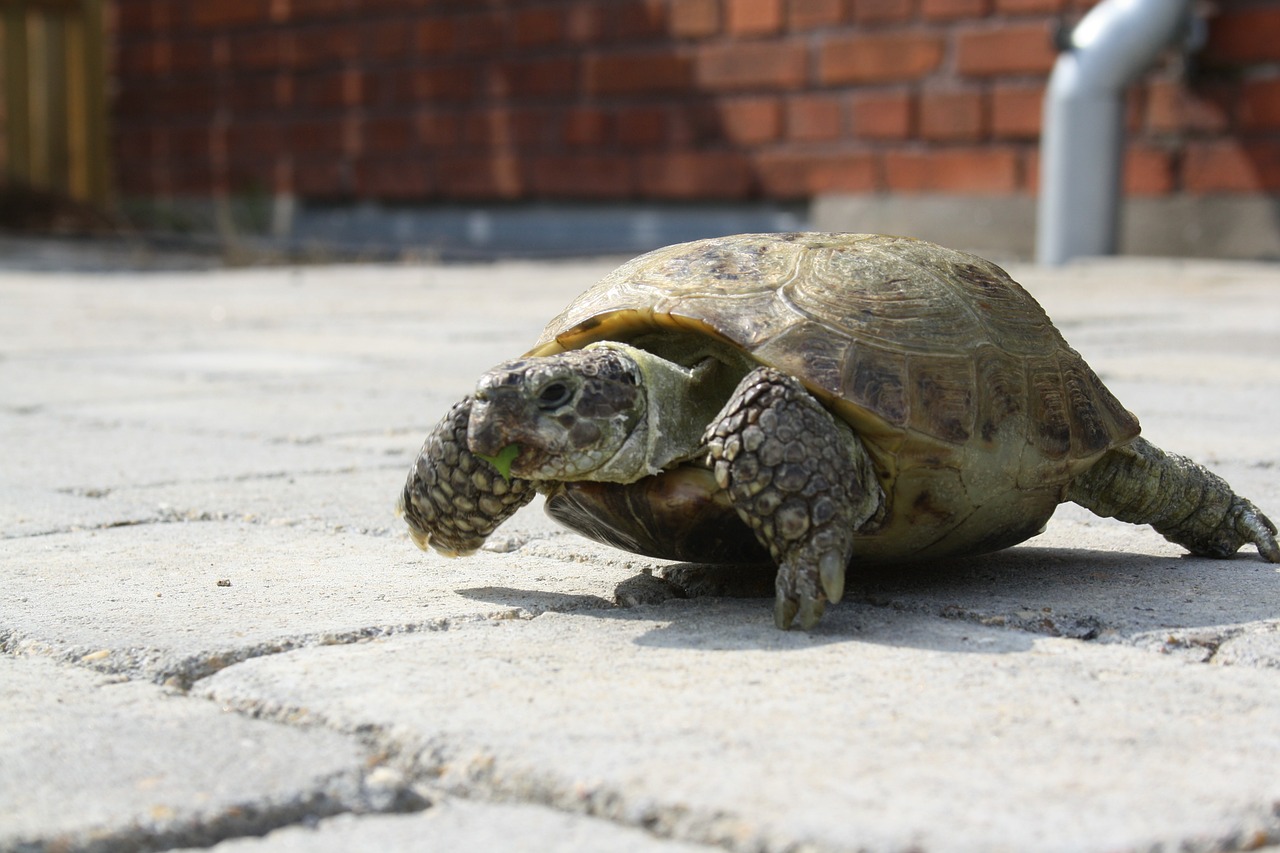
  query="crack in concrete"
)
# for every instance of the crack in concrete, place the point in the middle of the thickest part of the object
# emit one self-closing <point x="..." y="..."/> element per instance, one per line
<point x="174" y="515"/>
<point x="438" y="765"/>
<point x="435" y="766"/>
<point x="374" y="790"/>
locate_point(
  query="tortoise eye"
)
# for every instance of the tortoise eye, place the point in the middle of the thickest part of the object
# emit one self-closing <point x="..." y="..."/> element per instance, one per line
<point x="553" y="396"/>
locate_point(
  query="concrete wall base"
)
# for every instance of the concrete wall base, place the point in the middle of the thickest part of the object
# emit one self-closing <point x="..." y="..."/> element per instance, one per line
<point x="1210" y="226"/>
<point x="999" y="227"/>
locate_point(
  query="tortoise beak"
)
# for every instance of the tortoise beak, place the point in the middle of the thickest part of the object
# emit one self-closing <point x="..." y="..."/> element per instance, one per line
<point x="485" y="435"/>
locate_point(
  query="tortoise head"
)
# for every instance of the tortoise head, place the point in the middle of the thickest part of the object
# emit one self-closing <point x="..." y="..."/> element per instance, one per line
<point x="568" y="415"/>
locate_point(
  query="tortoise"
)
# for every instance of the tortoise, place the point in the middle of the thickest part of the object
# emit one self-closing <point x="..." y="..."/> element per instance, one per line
<point x="818" y="399"/>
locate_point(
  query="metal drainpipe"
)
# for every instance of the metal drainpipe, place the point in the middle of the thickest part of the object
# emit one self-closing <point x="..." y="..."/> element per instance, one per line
<point x="1082" y="142"/>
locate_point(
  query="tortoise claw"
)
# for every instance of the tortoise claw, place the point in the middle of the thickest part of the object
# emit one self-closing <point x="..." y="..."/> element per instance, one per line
<point x="831" y="568"/>
<point x="784" y="611"/>
<point x="811" y="611"/>
<point x="1252" y="526"/>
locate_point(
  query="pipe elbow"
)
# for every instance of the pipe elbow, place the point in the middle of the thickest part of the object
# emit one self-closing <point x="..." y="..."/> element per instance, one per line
<point x="1119" y="39"/>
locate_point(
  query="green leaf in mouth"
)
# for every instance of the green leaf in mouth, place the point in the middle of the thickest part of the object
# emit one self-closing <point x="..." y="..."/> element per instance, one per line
<point x="503" y="460"/>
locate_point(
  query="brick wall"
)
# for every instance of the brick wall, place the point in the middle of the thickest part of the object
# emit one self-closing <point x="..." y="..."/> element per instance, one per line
<point x="468" y="100"/>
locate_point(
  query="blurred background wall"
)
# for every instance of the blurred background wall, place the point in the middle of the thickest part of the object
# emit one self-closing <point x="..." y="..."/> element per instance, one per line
<point x="456" y="119"/>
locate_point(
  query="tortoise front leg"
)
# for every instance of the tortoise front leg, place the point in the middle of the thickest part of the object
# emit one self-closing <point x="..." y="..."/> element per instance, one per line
<point x="1184" y="501"/>
<point x="803" y="482"/>
<point x="453" y="499"/>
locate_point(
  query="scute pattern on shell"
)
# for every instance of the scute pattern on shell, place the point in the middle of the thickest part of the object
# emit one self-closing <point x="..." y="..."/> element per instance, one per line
<point x="902" y="338"/>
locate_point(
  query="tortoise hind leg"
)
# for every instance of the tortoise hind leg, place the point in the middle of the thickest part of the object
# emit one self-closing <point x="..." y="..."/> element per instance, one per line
<point x="1184" y="501"/>
<point x="803" y="482"/>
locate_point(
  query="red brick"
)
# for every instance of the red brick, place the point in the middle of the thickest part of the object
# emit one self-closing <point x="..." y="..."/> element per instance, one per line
<point x="496" y="175"/>
<point x="1147" y="171"/>
<point x="1029" y="7"/>
<point x="135" y="17"/>
<point x="809" y="14"/>
<point x="751" y="65"/>
<point x="435" y="37"/>
<point x="1170" y="107"/>
<point x="750" y="121"/>
<point x="879" y="57"/>
<point x="583" y="22"/>
<point x="319" y="177"/>
<point x="753" y="17"/>
<point x="541" y="77"/>
<point x="585" y="126"/>
<point x="883" y="115"/>
<point x="315" y="136"/>
<point x="637" y="73"/>
<point x="400" y="179"/>
<point x="641" y="127"/>
<point x="946" y="10"/>
<point x="385" y="40"/>
<point x="1007" y="49"/>
<point x="448" y="83"/>
<point x="1031" y="170"/>
<point x="952" y="115"/>
<point x="246" y="96"/>
<point x="694" y="175"/>
<point x="194" y="177"/>
<point x="1231" y="166"/>
<point x="260" y="139"/>
<point x="435" y="129"/>
<point x="906" y="171"/>
<point x="183" y="99"/>
<point x="990" y="171"/>
<point x="147" y="59"/>
<point x="1260" y="104"/>
<point x="310" y="9"/>
<point x="849" y="173"/>
<point x="800" y="174"/>
<point x="389" y="135"/>
<point x="323" y="45"/>
<point x="693" y="125"/>
<point x="537" y="27"/>
<point x="331" y="89"/>
<point x="187" y="142"/>
<point x="1244" y="37"/>
<point x="814" y="118"/>
<point x="481" y="34"/>
<point x="633" y="20"/>
<point x="258" y="50"/>
<point x="1016" y="110"/>
<point x="229" y="13"/>
<point x="586" y="177"/>
<point x="875" y="11"/>
<point x="503" y="127"/>
<point x="695" y="18"/>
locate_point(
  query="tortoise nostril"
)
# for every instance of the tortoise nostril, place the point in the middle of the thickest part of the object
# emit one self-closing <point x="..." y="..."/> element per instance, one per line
<point x="553" y="396"/>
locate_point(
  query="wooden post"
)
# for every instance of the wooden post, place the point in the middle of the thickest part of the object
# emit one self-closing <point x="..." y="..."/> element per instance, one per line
<point x="55" y="96"/>
<point x="17" y="108"/>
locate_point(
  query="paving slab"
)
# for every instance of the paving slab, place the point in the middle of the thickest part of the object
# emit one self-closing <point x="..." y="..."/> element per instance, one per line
<point x="91" y="762"/>
<point x="199" y="478"/>
<point x="176" y="601"/>
<point x="876" y="731"/>
<point x="452" y="824"/>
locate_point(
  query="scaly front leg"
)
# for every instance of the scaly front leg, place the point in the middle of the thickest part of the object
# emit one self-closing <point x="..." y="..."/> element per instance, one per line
<point x="453" y="499"/>
<point x="802" y="480"/>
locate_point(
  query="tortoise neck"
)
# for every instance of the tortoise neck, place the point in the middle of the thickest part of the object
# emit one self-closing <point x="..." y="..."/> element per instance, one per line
<point x="681" y="400"/>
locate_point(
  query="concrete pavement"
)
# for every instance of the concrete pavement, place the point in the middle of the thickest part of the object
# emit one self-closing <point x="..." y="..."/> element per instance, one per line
<point x="215" y="633"/>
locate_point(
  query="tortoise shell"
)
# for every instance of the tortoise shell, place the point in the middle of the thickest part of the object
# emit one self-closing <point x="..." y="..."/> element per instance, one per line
<point x="976" y="411"/>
